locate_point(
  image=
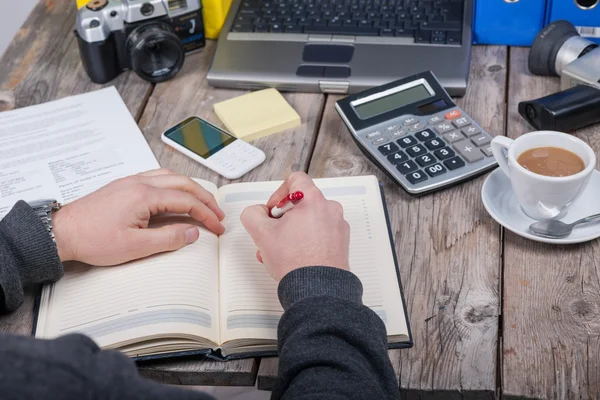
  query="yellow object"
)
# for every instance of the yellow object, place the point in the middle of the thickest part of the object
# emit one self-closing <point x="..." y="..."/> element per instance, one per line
<point x="214" y="13"/>
<point x="256" y="115"/>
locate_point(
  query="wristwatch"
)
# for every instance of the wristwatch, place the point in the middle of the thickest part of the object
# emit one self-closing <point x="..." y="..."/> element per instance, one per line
<point x="44" y="209"/>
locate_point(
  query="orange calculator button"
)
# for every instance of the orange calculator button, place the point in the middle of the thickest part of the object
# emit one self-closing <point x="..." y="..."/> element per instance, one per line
<point x="453" y="114"/>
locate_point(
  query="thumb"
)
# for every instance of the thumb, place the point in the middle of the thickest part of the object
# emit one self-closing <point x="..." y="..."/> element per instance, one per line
<point x="255" y="219"/>
<point x="166" y="238"/>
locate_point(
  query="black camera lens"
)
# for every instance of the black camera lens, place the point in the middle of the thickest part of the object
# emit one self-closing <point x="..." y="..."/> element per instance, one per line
<point x="542" y="56"/>
<point x="155" y="51"/>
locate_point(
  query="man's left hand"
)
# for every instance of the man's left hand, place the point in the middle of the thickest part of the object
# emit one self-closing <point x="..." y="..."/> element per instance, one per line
<point x="110" y="226"/>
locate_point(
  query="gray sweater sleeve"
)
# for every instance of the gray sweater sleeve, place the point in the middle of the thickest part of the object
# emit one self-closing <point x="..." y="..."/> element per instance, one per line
<point x="331" y="346"/>
<point x="27" y="255"/>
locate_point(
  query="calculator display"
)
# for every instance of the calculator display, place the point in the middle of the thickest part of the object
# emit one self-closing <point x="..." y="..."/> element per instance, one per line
<point x="392" y="101"/>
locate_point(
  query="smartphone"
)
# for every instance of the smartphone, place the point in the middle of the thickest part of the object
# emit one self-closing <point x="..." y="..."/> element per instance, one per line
<point x="213" y="147"/>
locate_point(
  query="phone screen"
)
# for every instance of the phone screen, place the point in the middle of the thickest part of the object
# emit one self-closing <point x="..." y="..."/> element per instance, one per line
<point x="199" y="136"/>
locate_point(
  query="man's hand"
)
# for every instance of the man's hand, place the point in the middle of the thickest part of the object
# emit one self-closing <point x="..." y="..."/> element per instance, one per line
<point x="314" y="232"/>
<point x="110" y="226"/>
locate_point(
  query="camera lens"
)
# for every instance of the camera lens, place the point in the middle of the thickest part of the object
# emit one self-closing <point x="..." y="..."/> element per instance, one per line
<point x="155" y="51"/>
<point x="545" y="47"/>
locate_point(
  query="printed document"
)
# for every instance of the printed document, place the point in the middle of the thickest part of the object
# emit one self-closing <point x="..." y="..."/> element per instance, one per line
<point x="68" y="148"/>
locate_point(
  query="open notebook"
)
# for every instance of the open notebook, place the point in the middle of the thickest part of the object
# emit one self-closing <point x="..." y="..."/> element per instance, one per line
<point x="213" y="297"/>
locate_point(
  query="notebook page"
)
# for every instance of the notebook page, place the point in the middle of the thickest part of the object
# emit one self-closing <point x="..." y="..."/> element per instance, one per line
<point x="249" y="303"/>
<point x="174" y="294"/>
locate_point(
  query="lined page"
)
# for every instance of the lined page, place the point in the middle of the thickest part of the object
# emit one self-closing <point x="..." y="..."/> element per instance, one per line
<point x="249" y="304"/>
<point x="173" y="294"/>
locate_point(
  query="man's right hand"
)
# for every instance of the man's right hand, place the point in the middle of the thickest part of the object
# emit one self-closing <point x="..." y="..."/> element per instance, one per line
<point x="313" y="233"/>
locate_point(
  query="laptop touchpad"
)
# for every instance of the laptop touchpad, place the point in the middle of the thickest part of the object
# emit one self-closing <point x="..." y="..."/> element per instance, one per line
<point x="327" y="53"/>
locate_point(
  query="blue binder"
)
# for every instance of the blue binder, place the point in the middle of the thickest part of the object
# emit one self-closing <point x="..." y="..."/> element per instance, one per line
<point x="584" y="14"/>
<point x="508" y="22"/>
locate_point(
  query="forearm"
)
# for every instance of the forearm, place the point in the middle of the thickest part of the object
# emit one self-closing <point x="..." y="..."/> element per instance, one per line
<point x="73" y="367"/>
<point x="27" y="255"/>
<point x="330" y="345"/>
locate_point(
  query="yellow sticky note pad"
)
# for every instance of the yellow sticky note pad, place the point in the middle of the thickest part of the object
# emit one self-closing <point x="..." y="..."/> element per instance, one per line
<point x="257" y="114"/>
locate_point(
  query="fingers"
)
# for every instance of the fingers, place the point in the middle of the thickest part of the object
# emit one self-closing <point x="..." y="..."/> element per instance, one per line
<point x="259" y="256"/>
<point x="157" y="172"/>
<point x="166" y="238"/>
<point x="296" y="181"/>
<point x="176" y="201"/>
<point x="255" y="219"/>
<point x="186" y="184"/>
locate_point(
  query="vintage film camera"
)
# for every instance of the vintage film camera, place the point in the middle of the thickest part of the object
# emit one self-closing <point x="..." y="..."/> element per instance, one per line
<point x="150" y="37"/>
<point x="559" y="50"/>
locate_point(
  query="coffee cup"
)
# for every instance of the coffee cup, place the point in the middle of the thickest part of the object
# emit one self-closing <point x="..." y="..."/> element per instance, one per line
<point x="543" y="197"/>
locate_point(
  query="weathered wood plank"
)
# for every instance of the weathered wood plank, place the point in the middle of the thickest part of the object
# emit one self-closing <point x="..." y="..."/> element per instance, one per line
<point x="189" y="94"/>
<point x="448" y="249"/>
<point x="42" y="64"/>
<point x="267" y="373"/>
<point x="206" y="373"/>
<point x="551" y="309"/>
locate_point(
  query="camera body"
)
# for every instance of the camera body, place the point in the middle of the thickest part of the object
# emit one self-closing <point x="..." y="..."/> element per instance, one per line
<point x="559" y="50"/>
<point x="150" y="37"/>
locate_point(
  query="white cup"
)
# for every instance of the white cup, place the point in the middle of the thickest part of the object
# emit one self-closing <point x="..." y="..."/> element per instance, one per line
<point x="543" y="197"/>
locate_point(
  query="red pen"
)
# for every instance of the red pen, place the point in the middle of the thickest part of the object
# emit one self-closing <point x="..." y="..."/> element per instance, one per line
<point x="286" y="204"/>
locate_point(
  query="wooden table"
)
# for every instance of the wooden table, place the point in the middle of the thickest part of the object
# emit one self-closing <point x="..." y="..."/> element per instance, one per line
<point x="492" y="314"/>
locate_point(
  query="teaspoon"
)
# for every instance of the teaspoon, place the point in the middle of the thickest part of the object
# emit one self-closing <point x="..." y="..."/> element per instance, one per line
<point x="554" y="229"/>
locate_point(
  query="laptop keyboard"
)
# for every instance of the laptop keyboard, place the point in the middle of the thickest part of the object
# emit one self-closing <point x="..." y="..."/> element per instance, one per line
<point x="427" y="21"/>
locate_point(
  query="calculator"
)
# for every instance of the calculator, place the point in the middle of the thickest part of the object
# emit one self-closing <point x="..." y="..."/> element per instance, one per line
<point x="413" y="131"/>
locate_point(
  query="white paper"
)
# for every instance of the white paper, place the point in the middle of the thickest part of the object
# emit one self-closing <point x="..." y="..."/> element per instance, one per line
<point x="68" y="148"/>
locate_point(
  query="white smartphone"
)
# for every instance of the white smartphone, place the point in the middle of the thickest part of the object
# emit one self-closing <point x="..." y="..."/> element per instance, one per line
<point x="214" y="148"/>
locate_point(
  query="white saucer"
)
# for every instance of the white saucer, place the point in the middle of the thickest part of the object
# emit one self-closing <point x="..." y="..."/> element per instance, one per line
<point x="500" y="201"/>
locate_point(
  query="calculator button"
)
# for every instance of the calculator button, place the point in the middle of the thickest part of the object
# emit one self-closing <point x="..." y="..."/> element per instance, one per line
<point x="416" y="127"/>
<point x="416" y="150"/>
<point x="443" y="128"/>
<point x="407" y="167"/>
<point x="407" y="141"/>
<point x="435" y="120"/>
<point x="454" y="163"/>
<point x="452" y="137"/>
<point x="487" y="150"/>
<point x="388" y="148"/>
<point x="434" y="144"/>
<point x="416" y="177"/>
<point x="453" y="114"/>
<point x="392" y="128"/>
<point x="444" y="153"/>
<point x="373" y="135"/>
<point x="425" y="135"/>
<point x="398" y="133"/>
<point x="466" y="149"/>
<point x="471" y="131"/>
<point x="481" y="140"/>
<point x="425" y="160"/>
<point x="397" y="158"/>
<point x="380" y="140"/>
<point x="461" y="122"/>
<point x="435" y="170"/>
<point x="410" y="121"/>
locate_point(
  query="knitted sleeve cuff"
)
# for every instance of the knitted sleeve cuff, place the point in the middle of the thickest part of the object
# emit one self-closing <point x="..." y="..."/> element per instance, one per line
<point x="316" y="281"/>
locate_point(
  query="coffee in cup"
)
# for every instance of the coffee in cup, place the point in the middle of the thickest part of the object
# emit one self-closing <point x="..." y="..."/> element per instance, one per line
<point x="547" y="170"/>
<point x="551" y="161"/>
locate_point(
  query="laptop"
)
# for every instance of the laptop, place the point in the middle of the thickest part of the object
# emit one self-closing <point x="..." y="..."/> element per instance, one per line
<point x="342" y="46"/>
